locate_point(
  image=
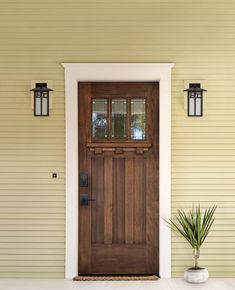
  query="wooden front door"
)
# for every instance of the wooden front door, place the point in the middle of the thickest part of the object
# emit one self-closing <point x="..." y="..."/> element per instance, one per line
<point x="118" y="178"/>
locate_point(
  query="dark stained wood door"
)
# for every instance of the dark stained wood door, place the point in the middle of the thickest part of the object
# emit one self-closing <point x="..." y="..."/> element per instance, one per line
<point x="118" y="153"/>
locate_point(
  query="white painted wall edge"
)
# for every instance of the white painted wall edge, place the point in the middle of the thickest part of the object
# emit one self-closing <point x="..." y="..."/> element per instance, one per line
<point x="75" y="72"/>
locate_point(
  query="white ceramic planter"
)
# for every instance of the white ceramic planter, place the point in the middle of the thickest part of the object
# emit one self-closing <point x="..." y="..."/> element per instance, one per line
<point x="196" y="276"/>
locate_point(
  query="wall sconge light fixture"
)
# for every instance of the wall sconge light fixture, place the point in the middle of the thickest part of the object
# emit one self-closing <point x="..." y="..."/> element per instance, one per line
<point x="41" y="99"/>
<point x="195" y="100"/>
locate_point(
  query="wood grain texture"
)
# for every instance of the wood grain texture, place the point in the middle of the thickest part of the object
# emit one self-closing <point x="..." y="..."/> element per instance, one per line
<point x="118" y="213"/>
<point x="152" y="183"/>
<point x="97" y="190"/>
<point x="113" y="259"/>
<point x="140" y="201"/>
<point x="123" y="211"/>
<point x="108" y="200"/>
<point x="84" y="166"/>
<point x="129" y="201"/>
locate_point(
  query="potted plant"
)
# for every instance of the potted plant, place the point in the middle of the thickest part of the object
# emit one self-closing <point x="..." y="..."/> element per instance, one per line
<point x="194" y="227"/>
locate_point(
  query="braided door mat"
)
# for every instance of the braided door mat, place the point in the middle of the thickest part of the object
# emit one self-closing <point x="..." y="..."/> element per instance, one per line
<point x="116" y="278"/>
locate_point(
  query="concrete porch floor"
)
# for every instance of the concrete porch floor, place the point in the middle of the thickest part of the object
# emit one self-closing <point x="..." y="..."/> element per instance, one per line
<point x="162" y="284"/>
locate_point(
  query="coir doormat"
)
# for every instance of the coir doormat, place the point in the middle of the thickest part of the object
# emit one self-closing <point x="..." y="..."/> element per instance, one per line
<point x="115" y="278"/>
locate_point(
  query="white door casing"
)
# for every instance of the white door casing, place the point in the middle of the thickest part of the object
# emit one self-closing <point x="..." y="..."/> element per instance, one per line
<point x="81" y="72"/>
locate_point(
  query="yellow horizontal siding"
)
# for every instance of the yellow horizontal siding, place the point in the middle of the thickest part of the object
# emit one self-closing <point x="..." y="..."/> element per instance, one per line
<point x="35" y="39"/>
<point x="32" y="204"/>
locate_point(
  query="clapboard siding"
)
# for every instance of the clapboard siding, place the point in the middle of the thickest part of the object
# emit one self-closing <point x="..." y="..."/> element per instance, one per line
<point x="35" y="39"/>
<point x="32" y="204"/>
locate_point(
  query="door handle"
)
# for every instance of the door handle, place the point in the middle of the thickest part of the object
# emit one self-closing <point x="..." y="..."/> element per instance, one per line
<point x="84" y="200"/>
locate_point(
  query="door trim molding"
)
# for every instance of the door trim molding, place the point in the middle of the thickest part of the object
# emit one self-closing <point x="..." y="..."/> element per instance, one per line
<point x="75" y="72"/>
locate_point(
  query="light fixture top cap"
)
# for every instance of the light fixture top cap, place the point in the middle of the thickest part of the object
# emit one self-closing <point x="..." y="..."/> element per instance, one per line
<point x="195" y="88"/>
<point x="41" y="89"/>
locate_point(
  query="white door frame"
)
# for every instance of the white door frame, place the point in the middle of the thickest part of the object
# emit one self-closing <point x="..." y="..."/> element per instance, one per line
<point x="75" y="72"/>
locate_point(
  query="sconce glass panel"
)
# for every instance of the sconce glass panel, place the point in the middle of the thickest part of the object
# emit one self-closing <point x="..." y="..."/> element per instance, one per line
<point x="198" y="101"/>
<point x="37" y="104"/>
<point x="45" y="104"/>
<point x="41" y="104"/>
<point x="191" y="106"/>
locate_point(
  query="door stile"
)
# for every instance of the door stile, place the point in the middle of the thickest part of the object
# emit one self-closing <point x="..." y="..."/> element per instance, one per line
<point x="84" y="246"/>
<point x="152" y="184"/>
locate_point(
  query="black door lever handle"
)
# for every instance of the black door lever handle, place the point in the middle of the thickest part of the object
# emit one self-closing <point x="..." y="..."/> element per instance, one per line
<point x="84" y="200"/>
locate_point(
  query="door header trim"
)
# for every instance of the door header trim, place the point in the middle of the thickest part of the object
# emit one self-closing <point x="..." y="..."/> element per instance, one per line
<point x="75" y="72"/>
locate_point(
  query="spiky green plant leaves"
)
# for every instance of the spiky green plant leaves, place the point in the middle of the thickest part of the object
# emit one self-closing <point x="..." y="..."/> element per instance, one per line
<point x="194" y="226"/>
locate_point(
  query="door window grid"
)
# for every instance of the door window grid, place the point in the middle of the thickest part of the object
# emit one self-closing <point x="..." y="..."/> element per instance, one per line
<point x="119" y="119"/>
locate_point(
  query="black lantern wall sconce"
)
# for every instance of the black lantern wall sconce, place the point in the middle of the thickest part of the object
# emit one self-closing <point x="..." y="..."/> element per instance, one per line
<point x="195" y="100"/>
<point x="41" y="99"/>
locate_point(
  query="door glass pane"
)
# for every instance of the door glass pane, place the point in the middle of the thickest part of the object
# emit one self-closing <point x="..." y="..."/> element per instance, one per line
<point x="138" y="119"/>
<point x="99" y="118"/>
<point x="119" y="118"/>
